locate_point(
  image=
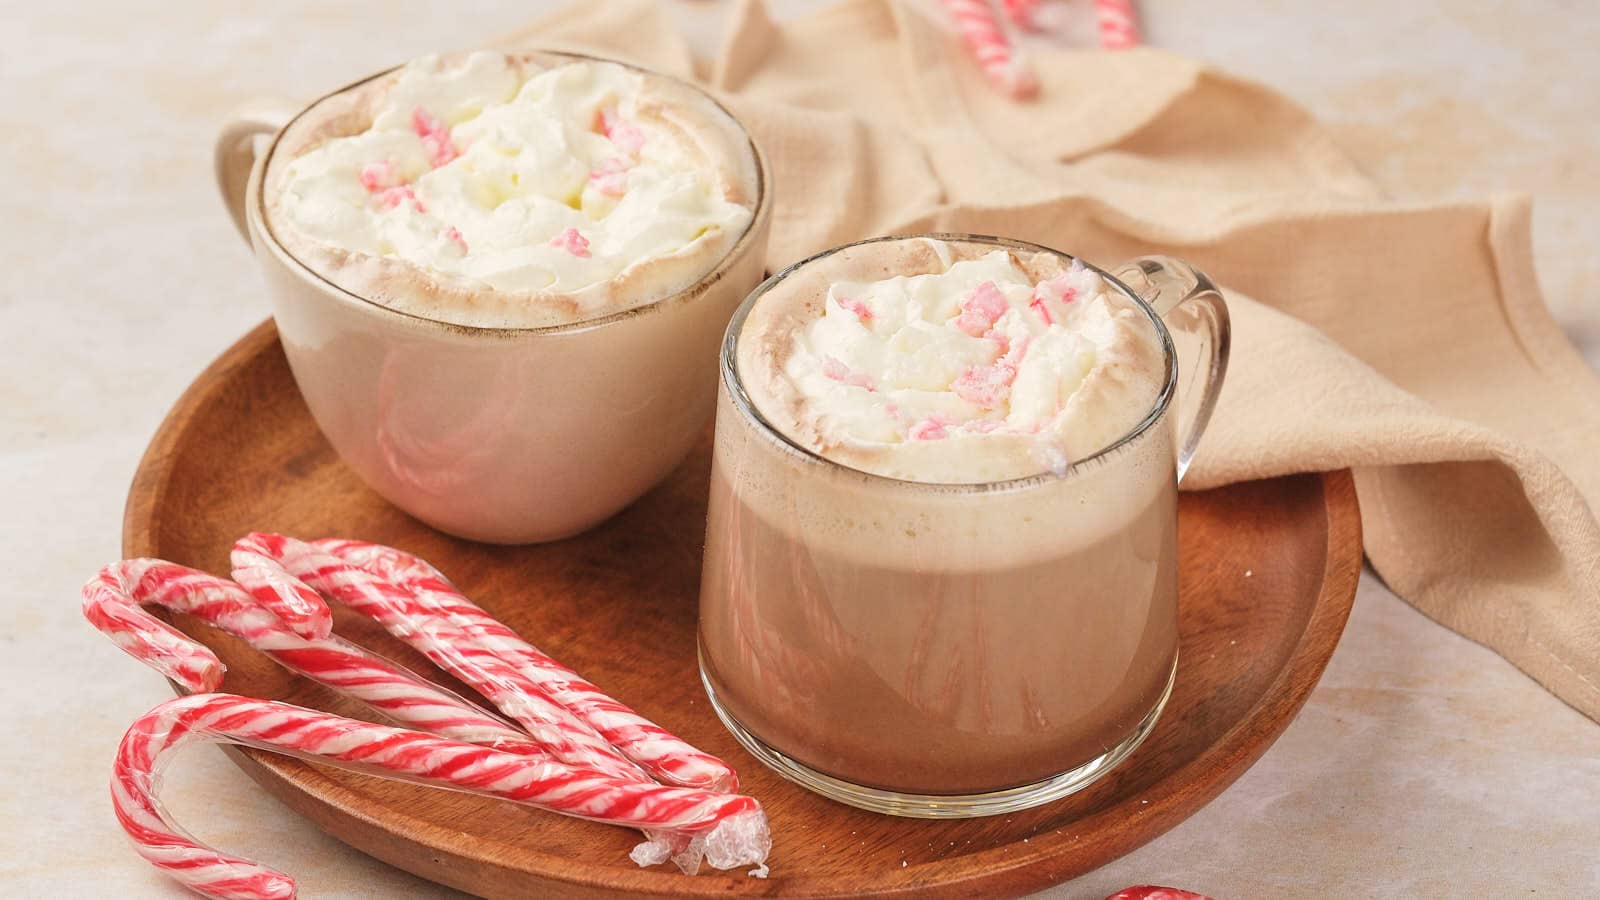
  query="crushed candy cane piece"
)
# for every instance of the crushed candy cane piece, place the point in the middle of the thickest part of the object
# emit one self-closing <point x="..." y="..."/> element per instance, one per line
<point x="980" y="310"/>
<point x="435" y="135"/>
<point x="378" y="176"/>
<point x="453" y="235"/>
<point x="851" y="304"/>
<point x="987" y="386"/>
<point x="611" y="176"/>
<point x="1058" y="288"/>
<point x="628" y="137"/>
<point x="391" y="198"/>
<point x="833" y="368"/>
<point x="573" y="242"/>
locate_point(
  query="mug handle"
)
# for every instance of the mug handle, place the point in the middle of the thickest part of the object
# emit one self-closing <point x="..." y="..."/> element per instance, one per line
<point x="1196" y="315"/>
<point x="235" y="152"/>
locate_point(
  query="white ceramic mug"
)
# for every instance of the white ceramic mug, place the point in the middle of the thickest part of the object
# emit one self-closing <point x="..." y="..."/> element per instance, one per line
<point x="507" y="435"/>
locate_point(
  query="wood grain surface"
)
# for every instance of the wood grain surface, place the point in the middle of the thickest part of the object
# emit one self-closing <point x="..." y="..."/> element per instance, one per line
<point x="1267" y="576"/>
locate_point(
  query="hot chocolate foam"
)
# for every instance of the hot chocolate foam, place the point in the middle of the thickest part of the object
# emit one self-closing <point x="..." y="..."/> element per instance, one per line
<point x="966" y="364"/>
<point x="506" y="191"/>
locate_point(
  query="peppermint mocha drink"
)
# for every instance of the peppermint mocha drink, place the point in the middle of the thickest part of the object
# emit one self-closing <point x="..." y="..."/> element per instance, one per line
<point x="500" y="279"/>
<point x="940" y="573"/>
<point x="513" y="191"/>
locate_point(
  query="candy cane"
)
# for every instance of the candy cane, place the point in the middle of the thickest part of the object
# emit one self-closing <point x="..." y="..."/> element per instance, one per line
<point x="440" y="616"/>
<point x="170" y="652"/>
<point x="988" y="43"/>
<point x="1119" y="24"/>
<point x="114" y="599"/>
<point x="268" y="565"/>
<point x="730" y="828"/>
<point x="1020" y="12"/>
<point x="297" y="605"/>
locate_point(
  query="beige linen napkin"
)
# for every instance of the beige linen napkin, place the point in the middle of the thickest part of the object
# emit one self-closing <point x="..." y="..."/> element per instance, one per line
<point x="1407" y="342"/>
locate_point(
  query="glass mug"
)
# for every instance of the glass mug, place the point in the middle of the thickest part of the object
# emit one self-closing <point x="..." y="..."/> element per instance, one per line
<point x="954" y="650"/>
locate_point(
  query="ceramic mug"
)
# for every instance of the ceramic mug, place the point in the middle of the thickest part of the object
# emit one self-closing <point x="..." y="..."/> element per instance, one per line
<point x="506" y="435"/>
<point x="950" y="650"/>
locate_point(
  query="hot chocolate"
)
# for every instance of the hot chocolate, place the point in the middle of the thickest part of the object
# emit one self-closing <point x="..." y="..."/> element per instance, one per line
<point x="941" y="556"/>
<point x="501" y="280"/>
<point x="513" y="190"/>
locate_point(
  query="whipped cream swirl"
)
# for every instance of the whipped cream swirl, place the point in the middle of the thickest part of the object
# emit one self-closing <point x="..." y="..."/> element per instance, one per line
<point x="487" y="171"/>
<point x="974" y="373"/>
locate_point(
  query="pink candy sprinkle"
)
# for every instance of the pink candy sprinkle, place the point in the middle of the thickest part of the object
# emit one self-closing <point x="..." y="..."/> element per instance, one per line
<point x="572" y="242"/>
<point x="983" y="426"/>
<point x="929" y="429"/>
<point x="388" y="190"/>
<point x="986" y="386"/>
<point x="981" y="308"/>
<point x="1037" y="305"/>
<point x="833" y="368"/>
<point x="435" y="135"/>
<point x="851" y="304"/>
<point x="389" y="198"/>
<point x="1056" y="289"/>
<point x="378" y="176"/>
<point x="611" y="177"/>
<point x="626" y="135"/>
<point x="452" y="235"/>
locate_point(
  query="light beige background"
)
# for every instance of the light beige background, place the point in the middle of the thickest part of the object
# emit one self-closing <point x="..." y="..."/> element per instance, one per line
<point x="1422" y="766"/>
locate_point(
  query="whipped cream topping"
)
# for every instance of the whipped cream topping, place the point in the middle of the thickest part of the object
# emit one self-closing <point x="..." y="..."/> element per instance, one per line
<point x="485" y="171"/>
<point x="979" y="370"/>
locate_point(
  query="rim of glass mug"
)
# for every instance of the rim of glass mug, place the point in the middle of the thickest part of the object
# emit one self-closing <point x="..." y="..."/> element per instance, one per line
<point x="256" y="203"/>
<point x="741" y="399"/>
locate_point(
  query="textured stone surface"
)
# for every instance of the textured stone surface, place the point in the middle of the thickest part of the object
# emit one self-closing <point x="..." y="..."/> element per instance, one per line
<point x="1423" y="765"/>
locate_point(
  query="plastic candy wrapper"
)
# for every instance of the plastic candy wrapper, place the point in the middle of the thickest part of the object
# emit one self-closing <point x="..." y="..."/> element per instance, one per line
<point x="584" y="754"/>
<point x="1155" y="892"/>
<point x="114" y="600"/>
<point x="730" y="829"/>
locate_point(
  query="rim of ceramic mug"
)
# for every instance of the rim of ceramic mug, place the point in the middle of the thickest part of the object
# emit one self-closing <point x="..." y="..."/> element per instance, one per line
<point x="734" y="383"/>
<point x="256" y="210"/>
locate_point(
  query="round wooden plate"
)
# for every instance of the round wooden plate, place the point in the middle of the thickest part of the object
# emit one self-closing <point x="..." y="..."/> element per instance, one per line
<point x="1269" y="570"/>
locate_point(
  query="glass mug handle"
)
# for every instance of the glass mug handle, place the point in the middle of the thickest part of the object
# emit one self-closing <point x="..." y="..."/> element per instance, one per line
<point x="235" y="152"/>
<point x="1196" y="315"/>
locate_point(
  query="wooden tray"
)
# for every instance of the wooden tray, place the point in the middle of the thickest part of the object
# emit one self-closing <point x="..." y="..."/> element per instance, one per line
<point x="1269" y="571"/>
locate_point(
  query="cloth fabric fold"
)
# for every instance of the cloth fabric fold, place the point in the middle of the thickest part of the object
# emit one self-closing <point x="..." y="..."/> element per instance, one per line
<point x="1408" y="342"/>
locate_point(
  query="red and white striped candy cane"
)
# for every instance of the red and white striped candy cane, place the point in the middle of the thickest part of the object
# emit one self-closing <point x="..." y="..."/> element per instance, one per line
<point x="1119" y="24"/>
<point x="114" y="606"/>
<point x="267" y="564"/>
<point x="1021" y="12"/>
<point x="987" y="40"/>
<point x="114" y="602"/>
<point x="297" y="605"/>
<point x="731" y="829"/>
<point x="440" y="616"/>
<point x="191" y="664"/>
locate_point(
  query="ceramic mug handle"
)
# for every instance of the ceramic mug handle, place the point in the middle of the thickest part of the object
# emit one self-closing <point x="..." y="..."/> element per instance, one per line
<point x="235" y="152"/>
<point x="1196" y="315"/>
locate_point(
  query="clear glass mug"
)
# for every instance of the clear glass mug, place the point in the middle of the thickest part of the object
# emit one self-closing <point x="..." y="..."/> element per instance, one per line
<point x="954" y="650"/>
